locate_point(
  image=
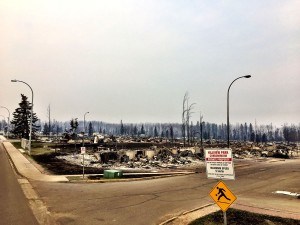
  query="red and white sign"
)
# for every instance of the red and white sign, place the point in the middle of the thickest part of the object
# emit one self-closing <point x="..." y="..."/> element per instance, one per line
<point x="219" y="164"/>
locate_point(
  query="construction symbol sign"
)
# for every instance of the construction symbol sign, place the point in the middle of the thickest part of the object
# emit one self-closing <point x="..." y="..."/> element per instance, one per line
<point x="222" y="196"/>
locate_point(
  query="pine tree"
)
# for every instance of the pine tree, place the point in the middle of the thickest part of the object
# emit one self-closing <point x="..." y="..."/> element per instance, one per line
<point x="74" y="125"/>
<point x="122" y="128"/>
<point x="46" y="129"/>
<point x="143" y="129"/>
<point x="172" y="133"/>
<point x="250" y="132"/>
<point x="135" y="130"/>
<point x="21" y="119"/>
<point x="155" y="132"/>
<point x="91" y="130"/>
<point x="162" y="134"/>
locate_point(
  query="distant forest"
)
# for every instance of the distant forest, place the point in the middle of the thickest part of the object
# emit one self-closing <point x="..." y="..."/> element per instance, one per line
<point x="191" y="132"/>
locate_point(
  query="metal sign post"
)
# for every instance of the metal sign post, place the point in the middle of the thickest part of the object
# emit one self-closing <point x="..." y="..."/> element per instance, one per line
<point x="223" y="197"/>
<point x="225" y="218"/>
<point x="82" y="152"/>
<point x="219" y="165"/>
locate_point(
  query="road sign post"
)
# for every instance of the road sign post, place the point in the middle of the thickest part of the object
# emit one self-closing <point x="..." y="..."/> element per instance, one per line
<point x="219" y="165"/>
<point x="223" y="197"/>
<point x="82" y="149"/>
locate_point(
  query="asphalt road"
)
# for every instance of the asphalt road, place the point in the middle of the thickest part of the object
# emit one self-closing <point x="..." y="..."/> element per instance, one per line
<point x="153" y="201"/>
<point x="14" y="207"/>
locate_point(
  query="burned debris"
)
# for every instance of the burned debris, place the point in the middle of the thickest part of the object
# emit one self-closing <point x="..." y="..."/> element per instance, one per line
<point x="153" y="154"/>
<point x="139" y="159"/>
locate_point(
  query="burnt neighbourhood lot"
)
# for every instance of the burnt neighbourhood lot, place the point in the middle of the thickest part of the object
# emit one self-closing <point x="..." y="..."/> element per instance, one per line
<point x="65" y="159"/>
<point x="154" y="201"/>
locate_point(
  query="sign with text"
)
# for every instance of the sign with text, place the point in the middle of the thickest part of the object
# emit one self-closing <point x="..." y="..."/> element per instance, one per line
<point x="219" y="164"/>
<point x="82" y="150"/>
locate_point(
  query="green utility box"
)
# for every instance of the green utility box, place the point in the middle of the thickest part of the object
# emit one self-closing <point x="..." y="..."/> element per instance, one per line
<point x="112" y="174"/>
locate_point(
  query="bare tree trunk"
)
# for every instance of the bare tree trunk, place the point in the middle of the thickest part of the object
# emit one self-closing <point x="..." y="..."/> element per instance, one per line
<point x="188" y="116"/>
<point x="185" y="98"/>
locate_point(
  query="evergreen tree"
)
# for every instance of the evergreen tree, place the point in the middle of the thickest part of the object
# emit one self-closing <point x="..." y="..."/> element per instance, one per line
<point x="122" y="128"/>
<point x="91" y="129"/>
<point x="251" y="131"/>
<point x="252" y="137"/>
<point x="21" y="119"/>
<point x="257" y="137"/>
<point x="246" y="132"/>
<point x="155" y="132"/>
<point x="74" y="125"/>
<point x="167" y="134"/>
<point x="142" y="129"/>
<point x="172" y="133"/>
<point x="162" y="135"/>
<point x="135" y="130"/>
<point x="264" y="138"/>
<point x="46" y="129"/>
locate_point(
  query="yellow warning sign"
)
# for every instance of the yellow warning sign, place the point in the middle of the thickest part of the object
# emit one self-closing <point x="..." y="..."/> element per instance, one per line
<point x="222" y="196"/>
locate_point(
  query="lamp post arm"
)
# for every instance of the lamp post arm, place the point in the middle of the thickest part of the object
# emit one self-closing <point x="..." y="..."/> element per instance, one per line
<point x="228" y="130"/>
<point x="228" y="126"/>
<point x="31" y="91"/>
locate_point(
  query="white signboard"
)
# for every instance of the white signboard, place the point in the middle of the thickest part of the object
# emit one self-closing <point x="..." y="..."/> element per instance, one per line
<point x="82" y="150"/>
<point x="219" y="164"/>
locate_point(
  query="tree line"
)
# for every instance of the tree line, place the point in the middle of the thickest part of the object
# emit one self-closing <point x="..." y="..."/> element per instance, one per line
<point x="188" y="131"/>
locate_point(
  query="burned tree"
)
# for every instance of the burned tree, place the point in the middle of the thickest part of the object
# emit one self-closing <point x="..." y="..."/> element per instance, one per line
<point x="186" y="115"/>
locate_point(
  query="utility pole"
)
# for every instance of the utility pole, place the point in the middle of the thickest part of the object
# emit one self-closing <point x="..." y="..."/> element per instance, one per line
<point x="201" y="136"/>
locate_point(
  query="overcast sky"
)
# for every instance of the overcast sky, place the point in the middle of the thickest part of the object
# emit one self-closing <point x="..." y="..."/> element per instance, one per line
<point x="134" y="60"/>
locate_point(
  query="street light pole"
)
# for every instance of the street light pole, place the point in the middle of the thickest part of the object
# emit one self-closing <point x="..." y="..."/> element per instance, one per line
<point x="84" y="128"/>
<point x="8" y="119"/>
<point x="228" y="130"/>
<point x="30" y="132"/>
<point x="84" y="121"/>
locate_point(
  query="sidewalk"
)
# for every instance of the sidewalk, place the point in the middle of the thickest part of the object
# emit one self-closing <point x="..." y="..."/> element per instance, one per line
<point x="25" y="168"/>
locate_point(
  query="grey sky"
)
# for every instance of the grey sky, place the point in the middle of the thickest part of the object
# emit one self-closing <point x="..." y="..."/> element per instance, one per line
<point x="134" y="60"/>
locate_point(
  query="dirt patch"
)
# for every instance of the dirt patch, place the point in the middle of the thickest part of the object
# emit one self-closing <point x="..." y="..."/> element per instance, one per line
<point x="61" y="167"/>
<point x="238" y="217"/>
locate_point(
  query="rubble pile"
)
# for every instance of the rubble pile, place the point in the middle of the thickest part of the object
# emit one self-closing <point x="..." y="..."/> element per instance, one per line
<point x="135" y="159"/>
<point x="176" y="157"/>
<point x="250" y="150"/>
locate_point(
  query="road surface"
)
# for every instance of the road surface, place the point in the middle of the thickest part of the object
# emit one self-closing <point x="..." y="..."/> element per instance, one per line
<point x="14" y="207"/>
<point x="153" y="201"/>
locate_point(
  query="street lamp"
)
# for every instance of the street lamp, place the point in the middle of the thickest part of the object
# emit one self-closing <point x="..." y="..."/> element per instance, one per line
<point x="84" y="121"/>
<point x="246" y="76"/>
<point x="84" y="128"/>
<point x="8" y="119"/>
<point x="30" y="131"/>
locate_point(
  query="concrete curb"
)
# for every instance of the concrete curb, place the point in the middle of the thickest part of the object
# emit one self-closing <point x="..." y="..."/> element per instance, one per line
<point x="186" y="213"/>
<point x="26" y="169"/>
<point x="127" y="179"/>
<point x="39" y="209"/>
